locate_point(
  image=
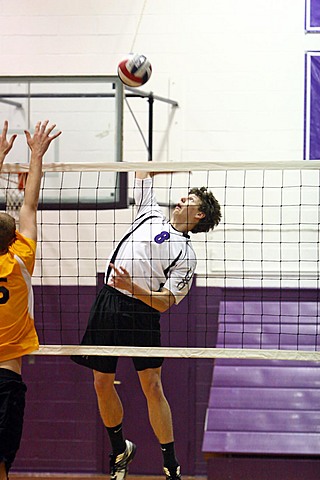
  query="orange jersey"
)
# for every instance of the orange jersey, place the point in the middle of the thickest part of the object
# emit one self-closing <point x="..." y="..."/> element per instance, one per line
<point x="17" y="331"/>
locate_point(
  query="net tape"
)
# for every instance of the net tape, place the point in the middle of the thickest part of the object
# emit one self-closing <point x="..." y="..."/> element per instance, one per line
<point x="176" y="352"/>
<point x="167" y="166"/>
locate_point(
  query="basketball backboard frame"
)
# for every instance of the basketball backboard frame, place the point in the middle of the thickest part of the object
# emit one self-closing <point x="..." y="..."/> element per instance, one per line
<point x="89" y="111"/>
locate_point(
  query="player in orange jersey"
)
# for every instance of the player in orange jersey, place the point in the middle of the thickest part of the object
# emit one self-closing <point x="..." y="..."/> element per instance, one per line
<point x="18" y="336"/>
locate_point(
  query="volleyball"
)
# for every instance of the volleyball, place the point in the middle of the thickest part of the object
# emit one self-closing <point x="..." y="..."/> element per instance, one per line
<point x="134" y="70"/>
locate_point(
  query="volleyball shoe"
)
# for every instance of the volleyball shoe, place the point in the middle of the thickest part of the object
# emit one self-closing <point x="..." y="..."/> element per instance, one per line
<point x="119" y="463"/>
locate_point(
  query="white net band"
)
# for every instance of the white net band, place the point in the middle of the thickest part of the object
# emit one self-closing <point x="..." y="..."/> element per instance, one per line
<point x="166" y="166"/>
<point x="175" y="352"/>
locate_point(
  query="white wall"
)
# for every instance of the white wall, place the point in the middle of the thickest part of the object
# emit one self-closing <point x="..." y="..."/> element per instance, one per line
<point x="236" y="67"/>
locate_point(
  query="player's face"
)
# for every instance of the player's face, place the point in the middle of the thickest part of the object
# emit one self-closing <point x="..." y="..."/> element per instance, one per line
<point x="187" y="210"/>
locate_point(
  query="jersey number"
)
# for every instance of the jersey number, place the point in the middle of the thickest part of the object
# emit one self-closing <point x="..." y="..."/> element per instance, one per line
<point x="162" y="237"/>
<point x="4" y="292"/>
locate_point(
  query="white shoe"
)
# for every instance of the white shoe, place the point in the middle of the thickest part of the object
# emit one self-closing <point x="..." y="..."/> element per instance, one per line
<point x="119" y="463"/>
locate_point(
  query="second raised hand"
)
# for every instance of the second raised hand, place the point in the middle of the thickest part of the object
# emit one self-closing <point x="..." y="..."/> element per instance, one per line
<point x="40" y="141"/>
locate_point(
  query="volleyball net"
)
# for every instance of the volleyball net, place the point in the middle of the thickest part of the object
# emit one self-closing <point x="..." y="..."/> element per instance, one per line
<point x="256" y="289"/>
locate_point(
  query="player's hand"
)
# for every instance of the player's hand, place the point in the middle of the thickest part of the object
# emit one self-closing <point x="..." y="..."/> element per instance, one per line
<point x="5" y="145"/>
<point x="121" y="278"/>
<point x="40" y="141"/>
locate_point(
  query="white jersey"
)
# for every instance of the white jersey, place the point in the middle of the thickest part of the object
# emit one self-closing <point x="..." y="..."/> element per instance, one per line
<point x="155" y="254"/>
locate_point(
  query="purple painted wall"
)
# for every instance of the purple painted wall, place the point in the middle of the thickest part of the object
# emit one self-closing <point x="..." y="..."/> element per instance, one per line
<point x="63" y="431"/>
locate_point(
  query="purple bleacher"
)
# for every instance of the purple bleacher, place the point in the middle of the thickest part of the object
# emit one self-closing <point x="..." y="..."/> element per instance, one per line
<point x="264" y="408"/>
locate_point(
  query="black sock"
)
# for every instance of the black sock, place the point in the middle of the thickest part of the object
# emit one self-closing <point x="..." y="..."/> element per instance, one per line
<point x="169" y="457"/>
<point x="116" y="439"/>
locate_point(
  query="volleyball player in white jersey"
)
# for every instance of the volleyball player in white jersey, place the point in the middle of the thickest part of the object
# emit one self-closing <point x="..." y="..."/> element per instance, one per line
<point x="150" y="270"/>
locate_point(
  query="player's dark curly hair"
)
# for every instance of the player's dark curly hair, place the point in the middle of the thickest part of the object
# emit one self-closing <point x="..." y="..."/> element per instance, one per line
<point x="210" y="207"/>
<point x="7" y="231"/>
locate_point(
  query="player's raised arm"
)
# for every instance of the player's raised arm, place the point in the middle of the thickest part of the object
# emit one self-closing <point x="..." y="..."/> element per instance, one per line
<point x="5" y="145"/>
<point x="38" y="144"/>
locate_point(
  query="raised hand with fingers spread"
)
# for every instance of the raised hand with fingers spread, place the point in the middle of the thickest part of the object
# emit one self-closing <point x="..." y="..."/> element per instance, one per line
<point x="40" y="141"/>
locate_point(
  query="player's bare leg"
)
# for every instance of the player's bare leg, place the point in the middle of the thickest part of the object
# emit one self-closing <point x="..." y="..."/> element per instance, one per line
<point x="111" y="412"/>
<point x="160" y="419"/>
<point x="158" y="406"/>
<point x="109" y="403"/>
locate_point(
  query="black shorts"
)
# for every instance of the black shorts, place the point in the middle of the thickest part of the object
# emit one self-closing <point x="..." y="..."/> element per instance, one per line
<point x="118" y="320"/>
<point x="12" y="403"/>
